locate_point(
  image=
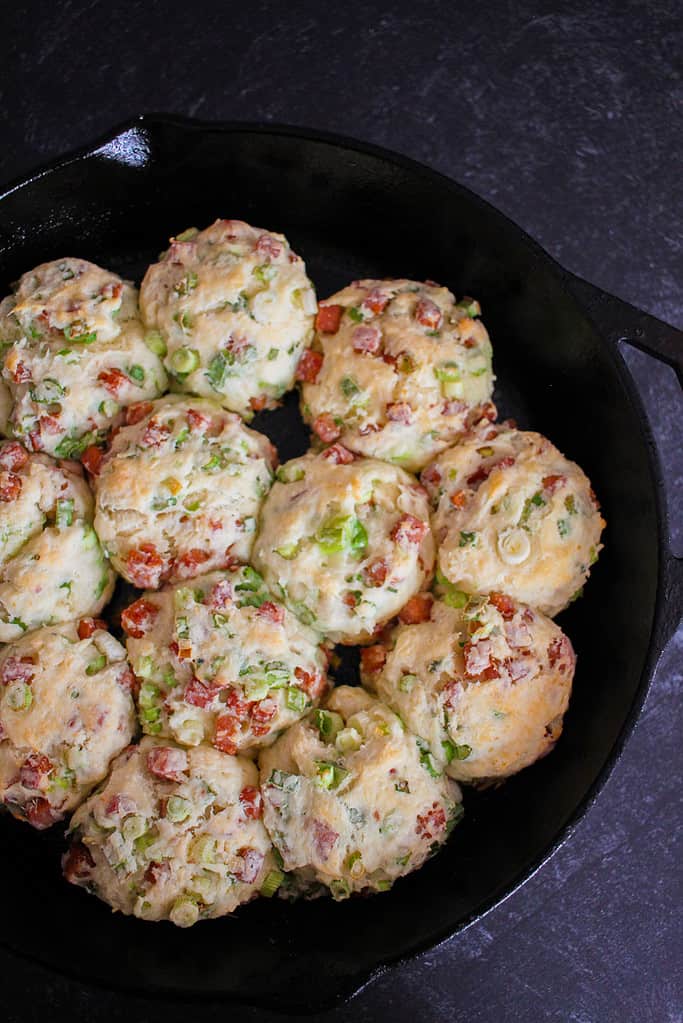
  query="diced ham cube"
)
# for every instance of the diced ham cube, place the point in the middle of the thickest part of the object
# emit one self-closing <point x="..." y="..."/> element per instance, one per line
<point x="220" y="595"/>
<point x="226" y="729"/>
<point x="373" y="658"/>
<point x="198" y="421"/>
<point x="375" y="301"/>
<point x="145" y="567"/>
<point x="17" y="669"/>
<point x="428" y="314"/>
<point x="10" y="487"/>
<point x="326" y="428"/>
<point x="92" y="459"/>
<point x="77" y="863"/>
<point x="309" y="366"/>
<point x="418" y="609"/>
<point x="13" y="456"/>
<point x="502" y="603"/>
<point x="167" y="763"/>
<point x="198" y="693"/>
<point x="268" y="246"/>
<point x="137" y="412"/>
<point x="409" y="530"/>
<point x="252" y="861"/>
<point x="35" y="771"/>
<point x="553" y="483"/>
<point x="157" y="873"/>
<point x="40" y="814"/>
<point x="479" y="660"/>
<point x="311" y="683"/>
<point x="430" y="824"/>
<point x="138" y="618"/>
<point x="339" y="455"/>
<point x="262" y="714"/>
<point x="113" y="380"/>
<point x="324" y="839"/>
<point x="375" y="574"/>
<point x="400" y="412"/>
<point x="328" y="319"/>
<point x="251" y="803"/>
<point x="271" y="612"/>
<point x="366" y="339"/>
<point x="155" y="434"/>
<point x="88" y="626"/>
<point x="187" y="565"/>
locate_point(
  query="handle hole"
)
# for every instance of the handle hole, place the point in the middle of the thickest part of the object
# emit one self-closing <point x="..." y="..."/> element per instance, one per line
<point x="661" y="395"/>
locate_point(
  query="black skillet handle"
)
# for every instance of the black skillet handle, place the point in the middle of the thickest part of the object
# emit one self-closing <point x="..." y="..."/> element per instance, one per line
<point x="623" y="324"/>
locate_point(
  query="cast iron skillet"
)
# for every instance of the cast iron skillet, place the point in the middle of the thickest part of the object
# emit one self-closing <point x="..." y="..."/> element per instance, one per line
<point x="354" y="210"/>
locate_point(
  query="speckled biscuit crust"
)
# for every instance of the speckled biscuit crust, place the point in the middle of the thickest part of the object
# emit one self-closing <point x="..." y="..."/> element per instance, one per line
<point x="512" y="514"/>
<point x="179" y="490"/>
<point x="75" y="354"/>
<point x="65" y="713"/>
<point x="235" y="309"/>
<point x="485" y="685"/>
<point x="344" y="541"/>
<point x="52" y="567"/>
<point x="175" y="835"/>
<point x="350" y="800"/>
<point x="397" y="370"/>
<point x="220" y="661"/>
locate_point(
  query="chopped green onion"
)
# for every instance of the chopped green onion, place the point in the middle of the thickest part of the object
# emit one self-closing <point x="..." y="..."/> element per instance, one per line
<point x="340" y="533"/>
<point x="348" y="740"/>
<point x="355" y="314"/>
<point x="447" y="373"/>
<point x="339" y="889"/>
<point x="296" y="699"/>
<point x="272" y="882"/>
<point x="184" y="361"/>
<point x="96" y="664"/>
<point x="328" y="775"/>
<point x="289" y="474"/>
<point x="349" y="387"/>
<point x="187" y="235"/>
<point x="136" y="373"/>
<point x="217" y="370"/>
<point x="273" y="354"/>
<point x="427" y="760"/>
<point x="64" y="514"/>
<point x="264" y="273"/>
<point x="203" y="850"/>
<point x="467" y="539"/>
<point x="81" y="339"/>
<point x="453" y="751"/>
<point x="288" y="551"/>
<point x="283" y="780"/>
<point x="407" y="682"/>
<point x="328" y="723"/>
<point x="109" y="408"/>
<point x="149" y="693"/>
<point x="19" y="696"/>
<point x="155" y="342"/>
<point x="178" y="809"/>
<point x="563" y="527"/>
<point x="469" y="306"/>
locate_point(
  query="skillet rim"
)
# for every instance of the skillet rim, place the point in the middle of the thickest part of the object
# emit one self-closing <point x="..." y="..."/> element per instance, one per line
<point x="668" y="566"/>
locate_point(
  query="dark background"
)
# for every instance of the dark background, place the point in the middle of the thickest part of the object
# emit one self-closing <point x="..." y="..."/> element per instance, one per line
<point x="569" y="118"/>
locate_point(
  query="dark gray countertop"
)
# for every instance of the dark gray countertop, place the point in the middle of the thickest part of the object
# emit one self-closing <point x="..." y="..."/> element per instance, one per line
<point x="569" y="118"/>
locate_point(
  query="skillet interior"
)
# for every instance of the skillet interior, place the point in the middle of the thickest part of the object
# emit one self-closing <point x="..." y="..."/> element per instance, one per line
<point x="354" y="213"/>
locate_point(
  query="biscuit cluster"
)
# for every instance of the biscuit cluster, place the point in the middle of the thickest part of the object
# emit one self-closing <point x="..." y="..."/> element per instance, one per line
<point x="195" y="739"/>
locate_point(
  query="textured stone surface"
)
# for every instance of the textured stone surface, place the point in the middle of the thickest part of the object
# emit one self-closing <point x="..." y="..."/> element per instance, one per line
<point x="568" y="117"/>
